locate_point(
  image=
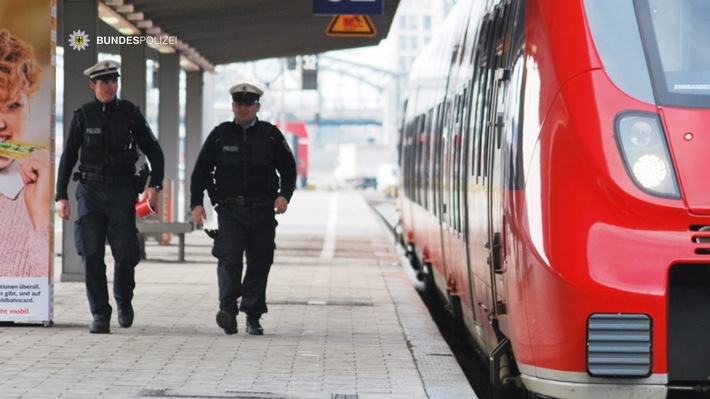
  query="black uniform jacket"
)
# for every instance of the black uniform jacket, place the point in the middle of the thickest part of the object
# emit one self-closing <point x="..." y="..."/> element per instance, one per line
<point x="256" y="163"/>
<point x="107" y="135"/>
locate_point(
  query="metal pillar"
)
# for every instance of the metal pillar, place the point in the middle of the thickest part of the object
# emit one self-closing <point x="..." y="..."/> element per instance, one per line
<point x="169" y="118"/>
<point x="78" y="15"/>
<point x="133" y="73"/>
<point x="193" y="127"/>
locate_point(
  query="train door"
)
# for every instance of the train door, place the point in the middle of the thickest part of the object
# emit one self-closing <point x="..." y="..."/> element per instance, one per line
<point x="406" y="166"/>
<point x="446" y="131"/>
<point x="477" y="196"/>
<point x="495" y="192"/>
<point x="453" y="239"/>
<point x="444" y="189"/>
<point x="504" y="165"/>
<point x="492" y="80"/>
<point x="496" y="160"/>
<point x="454" y="179"/>
<point x="497" y="175"/>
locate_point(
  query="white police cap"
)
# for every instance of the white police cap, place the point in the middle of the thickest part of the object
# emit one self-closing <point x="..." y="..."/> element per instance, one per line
<point x="103" y="70"/>
<point x="245" y="92"/>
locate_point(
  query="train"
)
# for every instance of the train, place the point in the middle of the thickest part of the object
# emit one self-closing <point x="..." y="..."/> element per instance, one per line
<point x="554" y="191"/>
<point x="296" y="135"/>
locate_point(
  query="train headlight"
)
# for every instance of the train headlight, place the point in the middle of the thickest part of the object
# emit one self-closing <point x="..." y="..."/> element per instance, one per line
<point x="650" y="170"/>
<point x="645" y="152"/>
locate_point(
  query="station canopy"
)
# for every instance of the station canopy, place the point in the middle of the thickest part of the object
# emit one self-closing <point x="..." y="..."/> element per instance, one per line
<point x="226" y="31"/>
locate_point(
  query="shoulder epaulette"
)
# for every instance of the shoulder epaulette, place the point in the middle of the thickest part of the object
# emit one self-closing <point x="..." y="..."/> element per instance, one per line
<point x="127" y="106"/>
<point x="83" y="107"/>
<point x="225" y="124"/>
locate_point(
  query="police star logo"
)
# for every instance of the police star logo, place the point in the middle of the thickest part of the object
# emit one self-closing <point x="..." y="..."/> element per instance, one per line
<point x="79" y="40"/>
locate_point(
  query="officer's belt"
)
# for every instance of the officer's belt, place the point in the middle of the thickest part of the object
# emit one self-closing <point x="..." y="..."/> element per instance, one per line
<point x="99" y="178"/>
<point x="247" y="201"/>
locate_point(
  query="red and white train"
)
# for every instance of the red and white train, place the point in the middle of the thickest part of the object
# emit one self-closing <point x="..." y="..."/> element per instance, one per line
<point x="296" y="135"/>
<point x="555" y="189"/>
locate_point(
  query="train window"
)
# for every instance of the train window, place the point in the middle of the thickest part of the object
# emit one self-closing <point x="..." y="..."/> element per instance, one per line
<point x="477" y="128"/>
<point x="463" y="154"/>
<point x="623" y="60"/>
<point x="445" y="174"/>
<point x="415" y="159"/>
<point x="408" y="166"/>
<point x="515" y="101"/>
<point x="488" y="84"/>
<point x="501" y="37"/>
<point x="458" y="161"/>
<point x="426" y="163"/>
<point x="408" y="156"/>
<point x="481" y="83"/>
<point x="421" y="154"/>
<point x="436" y="148"/>
<point x="430" y="168"/>
<point x="412" y="164"/>
<point x="676" y="36"/>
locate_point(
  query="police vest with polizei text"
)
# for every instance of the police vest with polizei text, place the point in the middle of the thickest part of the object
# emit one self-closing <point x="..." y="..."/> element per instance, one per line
<point x="235" y="156"/>
<point x="108" y="144"/>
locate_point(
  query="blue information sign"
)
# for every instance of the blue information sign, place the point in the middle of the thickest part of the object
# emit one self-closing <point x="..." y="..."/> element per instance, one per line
<point x="352" y="7"/>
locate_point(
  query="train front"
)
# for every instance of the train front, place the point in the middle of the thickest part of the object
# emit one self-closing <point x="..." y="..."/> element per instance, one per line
<point x="619" y="180"/>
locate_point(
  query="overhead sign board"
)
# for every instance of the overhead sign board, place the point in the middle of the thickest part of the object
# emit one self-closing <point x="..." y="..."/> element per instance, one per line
<point x="351" y="26"/>
<point x="356" y="7"/>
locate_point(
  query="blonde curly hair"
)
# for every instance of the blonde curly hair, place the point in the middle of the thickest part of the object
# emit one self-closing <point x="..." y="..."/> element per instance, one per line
<point x="19" y="70"/>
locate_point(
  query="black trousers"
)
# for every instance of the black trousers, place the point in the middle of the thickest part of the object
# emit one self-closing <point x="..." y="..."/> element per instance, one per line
<point x="251" y="231"/>
<point x="107" y="212"/>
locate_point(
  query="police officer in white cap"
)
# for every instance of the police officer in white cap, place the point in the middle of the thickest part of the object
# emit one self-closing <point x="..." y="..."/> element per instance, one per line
<point x="250" y="174"/>
<point x="104" y="137"/>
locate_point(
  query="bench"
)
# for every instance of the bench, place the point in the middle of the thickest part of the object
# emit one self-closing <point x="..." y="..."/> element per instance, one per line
<point x="179" y="228"/>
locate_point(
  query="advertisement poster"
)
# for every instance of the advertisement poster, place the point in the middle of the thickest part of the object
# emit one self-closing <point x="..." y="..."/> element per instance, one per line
<point x="27" y="50"/>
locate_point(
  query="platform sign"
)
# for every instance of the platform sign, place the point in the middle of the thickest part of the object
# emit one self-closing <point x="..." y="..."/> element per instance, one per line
<point x="351" y="26"/>
<point x="309" y="72"/>
<point x="356" y="7"/>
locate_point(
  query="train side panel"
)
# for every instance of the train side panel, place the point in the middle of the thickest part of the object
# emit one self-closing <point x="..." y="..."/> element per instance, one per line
<point x="567" y="211"/>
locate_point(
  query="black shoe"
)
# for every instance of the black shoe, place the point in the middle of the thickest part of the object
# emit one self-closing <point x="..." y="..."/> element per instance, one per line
<point x="100" y="327"/>
<point x="227" y="321"/>
<point x="125" y="316"/>
<point x="253" y="326"/>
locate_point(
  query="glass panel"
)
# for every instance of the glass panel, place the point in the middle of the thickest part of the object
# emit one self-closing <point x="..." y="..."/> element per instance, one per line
<point x="669" y="38"/>
<point x="624" y="61"/>
<point x="682" y="45"/>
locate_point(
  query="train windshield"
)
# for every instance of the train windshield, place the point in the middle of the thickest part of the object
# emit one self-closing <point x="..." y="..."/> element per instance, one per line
<point x="655" y="50"/>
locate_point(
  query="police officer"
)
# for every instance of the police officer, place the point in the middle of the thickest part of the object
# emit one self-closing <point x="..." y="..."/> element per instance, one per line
<point x="104" y="136"/>
<point x="238" y="166"/>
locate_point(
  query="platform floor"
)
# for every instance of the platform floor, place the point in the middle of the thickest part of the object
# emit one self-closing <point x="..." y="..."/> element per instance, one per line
<point x="344" y="322"/>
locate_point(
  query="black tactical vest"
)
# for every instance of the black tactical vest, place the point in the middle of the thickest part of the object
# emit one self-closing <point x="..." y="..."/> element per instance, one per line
<point x="108" y="143"/>
<point x="239" y="154"/>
